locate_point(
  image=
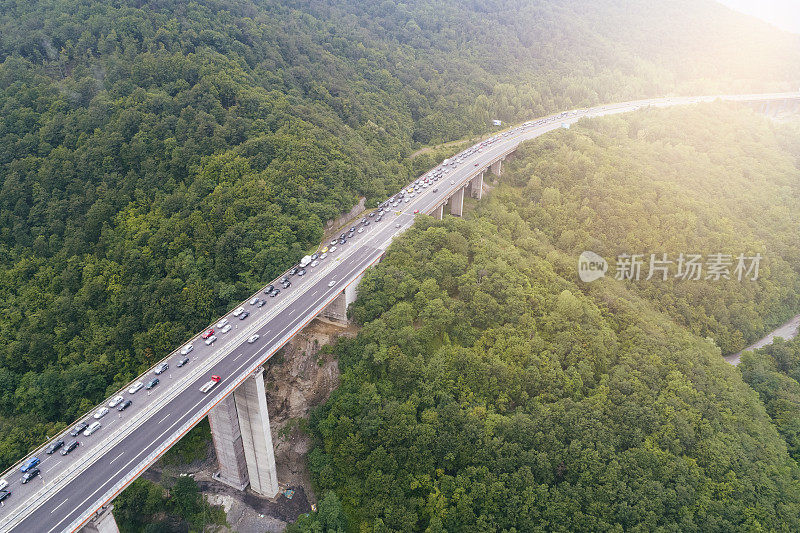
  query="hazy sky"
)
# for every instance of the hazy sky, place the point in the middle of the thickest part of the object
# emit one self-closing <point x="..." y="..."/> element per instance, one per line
<point x="784" y="14"/>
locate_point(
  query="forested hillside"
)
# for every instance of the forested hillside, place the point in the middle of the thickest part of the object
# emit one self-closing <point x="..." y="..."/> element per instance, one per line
<point x="160" y="159"/>
<point x="774" y="372"/>
<point x="491" y="390"/>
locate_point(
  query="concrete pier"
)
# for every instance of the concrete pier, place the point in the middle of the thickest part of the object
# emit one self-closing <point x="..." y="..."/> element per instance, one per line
<point x="438" y="213"/>
<point x="102" y="522"/>
<point x="476" y="186"/>
<point x="243" y="439"/>
<point x="456" y="202"/>
<point x="251" y="406"/>
<point x="227" y="436"/>
<point x="497" y="167"/>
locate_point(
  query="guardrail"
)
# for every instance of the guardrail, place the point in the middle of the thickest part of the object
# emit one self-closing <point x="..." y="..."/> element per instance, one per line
<point x="183" y="429"/>
<point x="98" y="450"/>
<point x="173" y="391"/>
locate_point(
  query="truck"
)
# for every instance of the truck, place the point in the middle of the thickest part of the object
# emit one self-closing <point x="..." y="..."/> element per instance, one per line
<point x="305" y="261"/>
<point x="445" y="162"/>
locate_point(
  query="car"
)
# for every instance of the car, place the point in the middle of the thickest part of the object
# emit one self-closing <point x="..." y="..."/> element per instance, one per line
<point x="160" y="369"/>
<point x="260" y="303"/>
<point x="124" y="405"/>
<point x="244" y="315"/>
<point x="152" y="383"/>
<point x="228" y="327"/>
<point x="435" y="190"/>
<point x="221" y="323"/>
<point x="186" y="349"/>
<point x="452" y="182"/>
<point x="416" y="211"/>
<point x="361" y="230"/>
<point x="30" y="463"/>
<point x="182" y="362"/>
<point x="100" y="413"/>
<point x="413" y="194"/>
<point x="324" y="250"/>
<point x="211" y="339"/>
<point x="252" y="339"/>
<point x="115" y="400"/>
<point x="372" y="214"/>
<point x="316" y="262"/>
<point x="301" y="272"/>
<point x="352" y="229"/>
<point x="54" y="446"/>
<point x="331" y="283"/>
<point x="285" y="280"/>
<point x="135" y="387"/>
<point x="78" y="428"/>
<point x="333" y="249"/>
<point x="254" y="300"/>
<point x="275" y="293"/>
<point x="94" y="426"/>
<point x="314" y="257"/>
<point x="287" y="284"/>
<point x="408" y="200"/>
<point x="268" y="291"/>
<point x="363" y="220"/>
<point x="240" y="310"/>
<point x="476" y="164"/>
<point x="333" y="242"/>
<point x="324" y="255"/>
<point x="342" y="241"/>
<point x="293" y="271"/>
<point x="397" y="225"/>
<point x="366" y="223"/>
<point x="208" y="333"/>
<point x="71" y="446"/>
<point x="257" y="300"/>
<point x="27" y="476"/>
<point x="3" y="484"/>
<point x="208" y="385"/>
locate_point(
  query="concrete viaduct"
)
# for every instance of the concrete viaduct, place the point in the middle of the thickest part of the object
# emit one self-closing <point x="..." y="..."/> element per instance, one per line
<point x="77" y="495"/>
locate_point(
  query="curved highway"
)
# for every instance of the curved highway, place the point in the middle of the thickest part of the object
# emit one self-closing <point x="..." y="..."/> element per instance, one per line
<point x="70" y="488"/>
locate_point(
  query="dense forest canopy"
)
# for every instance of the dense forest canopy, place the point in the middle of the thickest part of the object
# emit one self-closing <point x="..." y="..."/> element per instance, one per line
<point x="159" y="160"/>
<point x="490" y="390"/>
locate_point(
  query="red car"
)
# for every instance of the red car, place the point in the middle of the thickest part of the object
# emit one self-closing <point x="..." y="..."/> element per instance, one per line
<point x="207" y="333"/>
<point x="416" y="211"/>
<point x="208" y="385"/>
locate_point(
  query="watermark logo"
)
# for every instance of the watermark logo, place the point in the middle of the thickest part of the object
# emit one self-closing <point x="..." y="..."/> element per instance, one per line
<point x="660" y="267"/>
<point x="591" y="267"/>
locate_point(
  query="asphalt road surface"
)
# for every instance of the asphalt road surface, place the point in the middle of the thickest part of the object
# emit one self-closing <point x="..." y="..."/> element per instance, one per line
<point x="71" y="488"/>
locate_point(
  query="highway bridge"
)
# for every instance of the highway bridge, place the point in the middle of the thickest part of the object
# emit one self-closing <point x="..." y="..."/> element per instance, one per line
<point x="75" y="491"/>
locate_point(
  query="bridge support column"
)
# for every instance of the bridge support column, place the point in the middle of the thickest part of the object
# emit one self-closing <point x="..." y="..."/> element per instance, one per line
<point x="476" y="186"/>
<point x="227" y="436"/>
<point x="456" y="202"/>
<point x="102" y="522"/>
<point x="336" y="311"/>
<point x="497" y="167"/>
<point x="243" y="439"/>
<point x="438" y="213"/>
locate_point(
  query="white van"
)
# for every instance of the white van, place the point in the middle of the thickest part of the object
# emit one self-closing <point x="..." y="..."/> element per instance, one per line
<point x="94" y="426"/>
<point x="3" y="484"/>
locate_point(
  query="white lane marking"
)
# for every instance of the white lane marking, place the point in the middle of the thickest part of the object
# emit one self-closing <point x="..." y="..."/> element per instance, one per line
<point x="165" y="417"/>
<point x="532" y="136"/>
<point x="115" y="458"/>
<point x="237" y="357"/>
<point x="202" y="400"/>
<point x="59" y="505"/>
